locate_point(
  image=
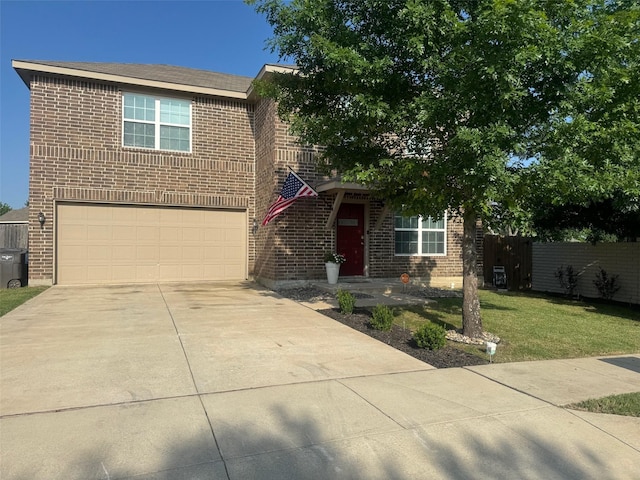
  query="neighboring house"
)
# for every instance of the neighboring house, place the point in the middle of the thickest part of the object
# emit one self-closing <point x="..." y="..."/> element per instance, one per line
<point x="14" y="228"/>
<point x="150" y="173"/>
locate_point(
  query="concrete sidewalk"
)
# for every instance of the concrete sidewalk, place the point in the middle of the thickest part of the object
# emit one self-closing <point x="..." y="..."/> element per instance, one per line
<point x="234" y="382"/>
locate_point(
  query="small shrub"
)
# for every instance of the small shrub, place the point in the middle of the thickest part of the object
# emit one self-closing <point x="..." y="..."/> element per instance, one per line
<point x="568" y="280"/>
<point x="347" y="301"/>
<point x="382" y="318"/>
<point x="430" y="336"/>
<point x="607" y="285"/>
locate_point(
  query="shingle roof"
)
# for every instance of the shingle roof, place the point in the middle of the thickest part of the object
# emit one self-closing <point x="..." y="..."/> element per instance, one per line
<point x="15" y="216"/>
<point x="158" y="73"/>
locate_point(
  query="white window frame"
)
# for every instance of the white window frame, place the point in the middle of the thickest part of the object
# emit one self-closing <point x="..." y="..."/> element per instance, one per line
<point x="420" y="231"/>
<point x="157" y="123"/>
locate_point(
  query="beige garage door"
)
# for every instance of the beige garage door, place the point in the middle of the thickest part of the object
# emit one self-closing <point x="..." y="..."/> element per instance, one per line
<point x="122" y="244"/>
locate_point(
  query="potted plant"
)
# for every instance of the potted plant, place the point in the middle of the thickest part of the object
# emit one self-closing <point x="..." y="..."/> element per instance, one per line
<point x="332" y="262"/>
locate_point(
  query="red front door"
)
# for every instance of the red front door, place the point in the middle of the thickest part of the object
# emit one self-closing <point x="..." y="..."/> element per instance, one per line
<point x="350" y="238"/>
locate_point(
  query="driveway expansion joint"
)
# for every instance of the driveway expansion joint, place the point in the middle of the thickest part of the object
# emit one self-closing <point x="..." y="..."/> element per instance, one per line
<point x="510" y="387"/>
<point x="193" y="380"/>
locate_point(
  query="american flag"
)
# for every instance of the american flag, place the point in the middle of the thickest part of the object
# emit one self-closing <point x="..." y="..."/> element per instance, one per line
<point x="294" y="187"/>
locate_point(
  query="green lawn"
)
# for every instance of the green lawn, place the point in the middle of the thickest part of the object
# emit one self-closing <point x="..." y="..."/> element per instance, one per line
<point x="11" y="298"/>
<point x="538" y="327"/>
<point x="626" y="404"/>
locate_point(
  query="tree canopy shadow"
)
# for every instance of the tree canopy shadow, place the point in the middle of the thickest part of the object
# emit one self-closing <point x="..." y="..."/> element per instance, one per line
<point x="300" y="449"/>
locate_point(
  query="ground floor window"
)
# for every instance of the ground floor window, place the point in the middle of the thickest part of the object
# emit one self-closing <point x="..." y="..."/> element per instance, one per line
<point x="419" y="235"/>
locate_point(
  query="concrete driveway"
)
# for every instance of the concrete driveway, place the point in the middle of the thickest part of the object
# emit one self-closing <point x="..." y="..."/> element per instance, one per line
<point x="230" y="381"/>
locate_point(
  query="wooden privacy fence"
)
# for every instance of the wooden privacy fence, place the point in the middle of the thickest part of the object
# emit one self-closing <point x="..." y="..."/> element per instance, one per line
<point x="14" y="235"/>
<point x="512" y="253"/>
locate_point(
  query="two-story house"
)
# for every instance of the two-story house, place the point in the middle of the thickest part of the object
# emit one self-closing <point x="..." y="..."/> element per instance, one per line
<point x="150" y="173"/>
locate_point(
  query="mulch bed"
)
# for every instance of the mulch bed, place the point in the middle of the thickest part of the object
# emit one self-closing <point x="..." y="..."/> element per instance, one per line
<point x="401" y="339"/>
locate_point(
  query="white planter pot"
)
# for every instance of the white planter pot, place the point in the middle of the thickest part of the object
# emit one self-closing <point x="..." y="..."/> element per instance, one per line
<point x="333" y="270"/>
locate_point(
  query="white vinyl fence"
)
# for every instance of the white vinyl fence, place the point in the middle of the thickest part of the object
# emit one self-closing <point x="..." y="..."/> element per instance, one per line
<point x="622" y="259"/>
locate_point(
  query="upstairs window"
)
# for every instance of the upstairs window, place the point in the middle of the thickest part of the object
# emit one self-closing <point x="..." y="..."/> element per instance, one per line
<point x="156" y="123"/>
<point x="420" y="236"/>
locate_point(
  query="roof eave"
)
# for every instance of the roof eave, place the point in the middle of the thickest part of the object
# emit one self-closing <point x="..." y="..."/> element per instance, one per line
<point x="336" y="184"/>
<point x="265" y="72"/>
<point x="26" y="70"/>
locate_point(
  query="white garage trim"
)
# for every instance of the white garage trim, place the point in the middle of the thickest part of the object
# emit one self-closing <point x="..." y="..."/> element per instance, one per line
<point x="108" y="244"/>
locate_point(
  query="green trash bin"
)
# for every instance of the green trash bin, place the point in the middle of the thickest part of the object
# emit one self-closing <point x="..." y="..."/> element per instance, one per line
<point x="13" y="267"/>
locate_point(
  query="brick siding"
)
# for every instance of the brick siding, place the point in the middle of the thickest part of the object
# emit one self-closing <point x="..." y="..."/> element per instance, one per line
<point x="291" y="248"/>
<point x="383" y="262"/>
<point x="238" y="148"/>
<point x="77" y="155"/>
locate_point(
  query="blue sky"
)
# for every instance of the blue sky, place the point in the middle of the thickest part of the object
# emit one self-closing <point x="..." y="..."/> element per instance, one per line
<point x="222" y="36"/>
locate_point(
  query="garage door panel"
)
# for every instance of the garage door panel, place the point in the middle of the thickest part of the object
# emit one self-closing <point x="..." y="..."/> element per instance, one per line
<point x="169" y="272"/>
<point x="232" y="256"/>
<point x="149" y="216"/>
<point x="192" y="216"/>
<point x="214" y="235"/>
<point x="75" y="254"/>
<point x="230" y="270"/>
<point x="73" y="273"/>
<point x="192" y="272"/>
<point x="72" y="215"/>
<point x="170" y="234"/>
<point x="123" y="233"/>
<point x="98" y="274"/>
<point x="99" y="215"/>
<point x="118" y="244"/>
<point x="101" y="254"/>
<point x="232" y="236"/>
<point x="171" y="254"/>
<point x="214" y="256"/>
<point x="123" y="254"/>
<point x="170" y="215"/>
<point x="117" y="215"/>
<point x="191" y="233"/>
<point x="73" y="232"/>
<point x="191" y="253"/>
<point x="123" y="273"/>
<point x="146" y="254"/>
<point x="219" y="272"/>
<point x="148" y="233"/>
<point x="147" y="273"/>
<point x="99" y="233"/>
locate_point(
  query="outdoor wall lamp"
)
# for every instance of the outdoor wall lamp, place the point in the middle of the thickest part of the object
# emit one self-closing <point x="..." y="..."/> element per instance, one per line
<point x="254" y="227"/>
<point x="41" y="219"/>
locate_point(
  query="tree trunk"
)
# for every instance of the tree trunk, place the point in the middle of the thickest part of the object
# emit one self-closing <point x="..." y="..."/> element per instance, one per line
<point x="471" y="319"/>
